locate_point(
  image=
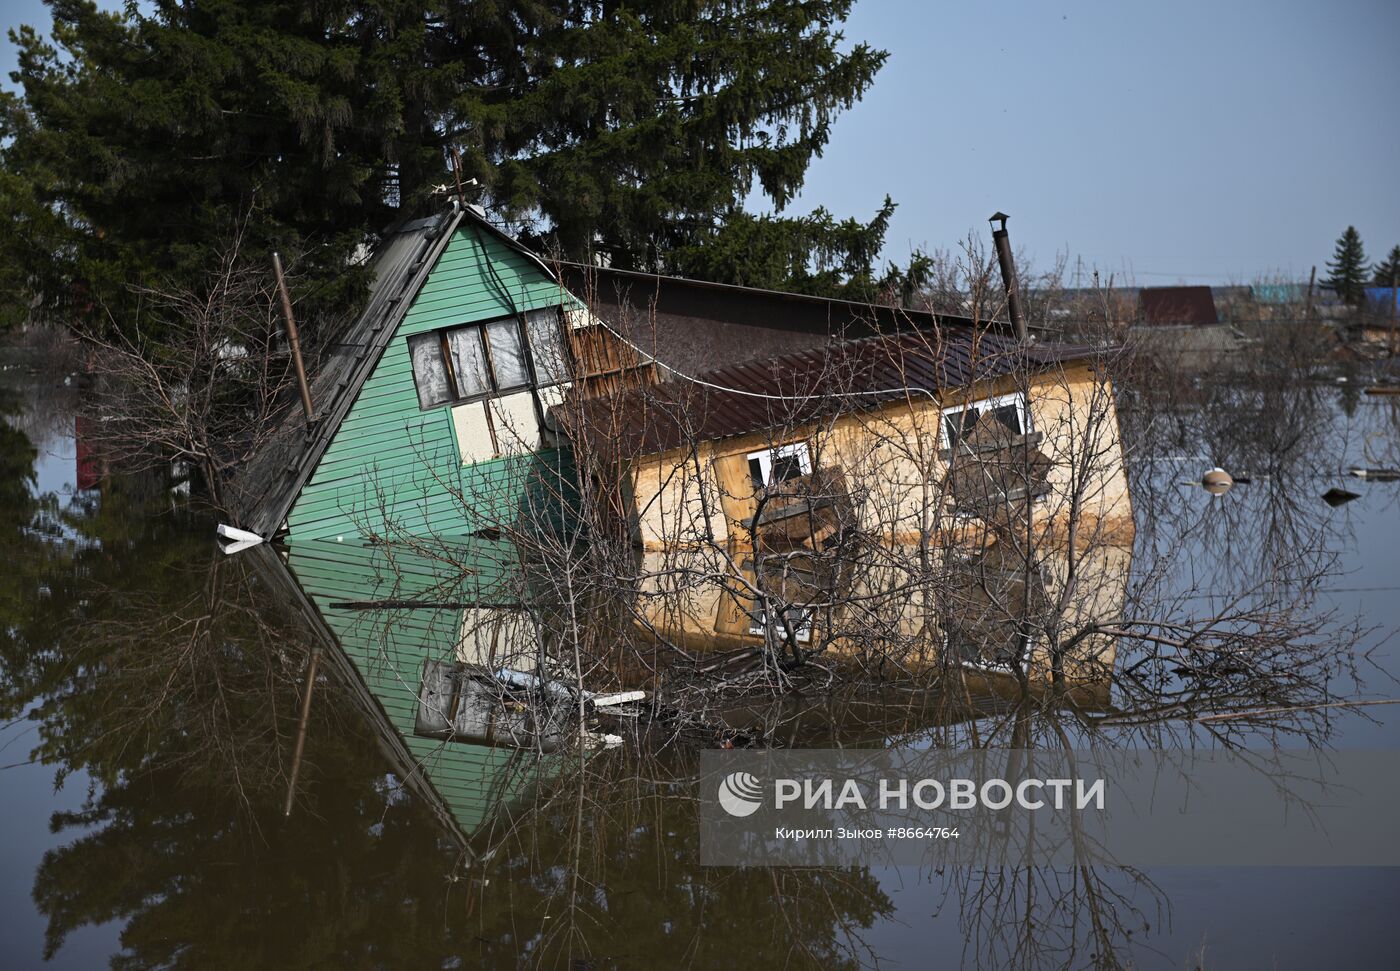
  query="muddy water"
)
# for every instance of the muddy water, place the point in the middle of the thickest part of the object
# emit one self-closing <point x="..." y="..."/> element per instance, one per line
<point x="149" y="700"/>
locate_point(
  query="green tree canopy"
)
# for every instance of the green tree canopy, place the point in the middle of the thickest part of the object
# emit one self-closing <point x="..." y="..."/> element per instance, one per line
<point x="1348" y="267"/>
<point x="141" y="139"/>
<point x="816" y="254"/>
<point x="1388" y="270"/>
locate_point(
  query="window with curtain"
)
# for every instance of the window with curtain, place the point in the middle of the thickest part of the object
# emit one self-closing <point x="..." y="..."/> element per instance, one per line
<point x="546" y="333"/>
<point x="430" y="370"/>
<point x="483" y="360"/>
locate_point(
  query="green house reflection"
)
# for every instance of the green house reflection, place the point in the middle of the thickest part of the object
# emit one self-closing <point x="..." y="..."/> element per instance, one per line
<point x="420" y="641"/>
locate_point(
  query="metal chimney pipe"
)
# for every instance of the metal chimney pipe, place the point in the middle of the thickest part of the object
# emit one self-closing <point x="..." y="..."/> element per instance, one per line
<point x="1008" y="273"/>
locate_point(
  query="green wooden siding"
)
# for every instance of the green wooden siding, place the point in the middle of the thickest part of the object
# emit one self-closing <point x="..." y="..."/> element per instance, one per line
<point x="388" y="456"/>
<point x="389" y="648"/>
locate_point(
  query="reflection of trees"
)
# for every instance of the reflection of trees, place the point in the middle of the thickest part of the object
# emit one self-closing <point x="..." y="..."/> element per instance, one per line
<point x="1254" y="415"/>
<point x="158" y="670"/>
<point x="605" y="874"/>
<point x="165" y="671"/>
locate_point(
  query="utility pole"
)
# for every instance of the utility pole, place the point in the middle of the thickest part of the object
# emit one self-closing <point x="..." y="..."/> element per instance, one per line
<point x="293" y="340"/>
<point x="1312" y="279"/>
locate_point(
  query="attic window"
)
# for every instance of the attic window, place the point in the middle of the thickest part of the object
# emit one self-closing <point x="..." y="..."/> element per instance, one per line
<point x="547" y="345"/>
<point x="484" y="360"/>
<point x="773" y="465"/>
<point x="1008" y="410"/>
<point x="429" y="371"/>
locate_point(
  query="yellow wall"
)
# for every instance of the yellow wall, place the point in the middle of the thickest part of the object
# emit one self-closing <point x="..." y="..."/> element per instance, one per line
<point x="696" y="561"/>
<point x="890" y="458"/>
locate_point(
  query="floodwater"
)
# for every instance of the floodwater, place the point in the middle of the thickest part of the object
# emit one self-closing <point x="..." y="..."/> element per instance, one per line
<point x="150" y="694"/>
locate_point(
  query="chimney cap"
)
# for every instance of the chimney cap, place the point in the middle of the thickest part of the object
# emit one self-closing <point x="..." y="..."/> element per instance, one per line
<point x="999" y="216"/>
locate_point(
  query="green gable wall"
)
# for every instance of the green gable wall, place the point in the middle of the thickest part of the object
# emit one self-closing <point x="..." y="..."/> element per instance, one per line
<point x="389" y="455"/>
<point x="389" y="647"/>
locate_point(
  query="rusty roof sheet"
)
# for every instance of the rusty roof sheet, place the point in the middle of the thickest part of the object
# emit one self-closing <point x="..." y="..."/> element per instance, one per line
<point x="800" y="388"/>
<point x="1177" y="305"/>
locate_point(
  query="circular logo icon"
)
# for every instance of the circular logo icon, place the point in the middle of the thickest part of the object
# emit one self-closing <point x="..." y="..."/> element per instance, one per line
<point x="740" y="794"/>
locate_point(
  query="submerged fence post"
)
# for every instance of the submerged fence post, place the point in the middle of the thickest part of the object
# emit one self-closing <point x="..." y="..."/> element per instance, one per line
<point x="293" y="340"/>
<point x="301" y="729"/>
<point x="1008" y="272"/>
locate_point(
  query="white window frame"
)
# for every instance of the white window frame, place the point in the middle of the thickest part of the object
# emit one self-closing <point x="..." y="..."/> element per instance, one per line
<point x="758" y="625"/>
<point x="766" y="456"/>
<point x="1016" y="398"/>
<point x="996" y="667"/>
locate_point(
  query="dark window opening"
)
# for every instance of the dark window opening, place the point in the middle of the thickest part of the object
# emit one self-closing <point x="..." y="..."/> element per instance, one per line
<point x="1008" y="411"/>
<point x="781" y="464"/>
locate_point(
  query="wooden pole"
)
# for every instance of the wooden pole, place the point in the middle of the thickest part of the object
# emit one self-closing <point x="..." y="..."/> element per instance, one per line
<point x="301" y="729"/>
<point x="1312" y="278"/>
<point x="293" y="340"/>
<point x="1393" y="299"/>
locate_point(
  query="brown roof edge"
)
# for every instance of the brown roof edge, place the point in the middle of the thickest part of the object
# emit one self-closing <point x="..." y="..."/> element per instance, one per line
<point x="582" y="278"/>
<point x="802" y="387"/>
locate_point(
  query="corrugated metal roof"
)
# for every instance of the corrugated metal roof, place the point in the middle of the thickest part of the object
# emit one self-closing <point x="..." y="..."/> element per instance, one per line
<point x="1381" y="296"/>
<point x="800" y="388"/>
<point x="1177" y="305"/>
<point x="697" y="325"/>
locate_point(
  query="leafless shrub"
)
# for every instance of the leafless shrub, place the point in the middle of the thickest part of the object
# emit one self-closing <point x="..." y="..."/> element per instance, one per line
<point x="199" y="380"/>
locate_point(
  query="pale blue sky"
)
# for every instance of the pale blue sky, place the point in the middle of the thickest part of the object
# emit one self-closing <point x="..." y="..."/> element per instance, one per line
<point x="1192" y="140"/>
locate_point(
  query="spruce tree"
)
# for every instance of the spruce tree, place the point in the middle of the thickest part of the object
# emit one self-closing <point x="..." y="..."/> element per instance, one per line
<point x="629" y="132"/>
<point x="1348" y="267"/>
<point x="156" y="137"/>
<point x="1388" y="271"/>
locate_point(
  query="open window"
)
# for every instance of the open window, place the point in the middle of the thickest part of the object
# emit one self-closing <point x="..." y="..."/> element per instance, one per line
<point x="493" y="358"/>
<point x="1008" y="411"/>
<point x="771" y="466"/>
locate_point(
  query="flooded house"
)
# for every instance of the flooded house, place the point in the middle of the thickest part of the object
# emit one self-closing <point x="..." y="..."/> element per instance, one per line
<point x="791" y="500"/>
<point x="432" y="409"/>
<point x="775" y="458"/>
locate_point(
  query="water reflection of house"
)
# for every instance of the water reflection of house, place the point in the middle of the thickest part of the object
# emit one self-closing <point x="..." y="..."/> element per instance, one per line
<point x="763" y="497"/>
<point x="418" y="652"/>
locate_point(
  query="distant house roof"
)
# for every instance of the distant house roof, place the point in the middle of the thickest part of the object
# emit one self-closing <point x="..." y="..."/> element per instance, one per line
<point x="1380" y="296"/>
<point x="1278" y="293"/>
<point x="799" y="388"/>
<point x="1177" y="305"/>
